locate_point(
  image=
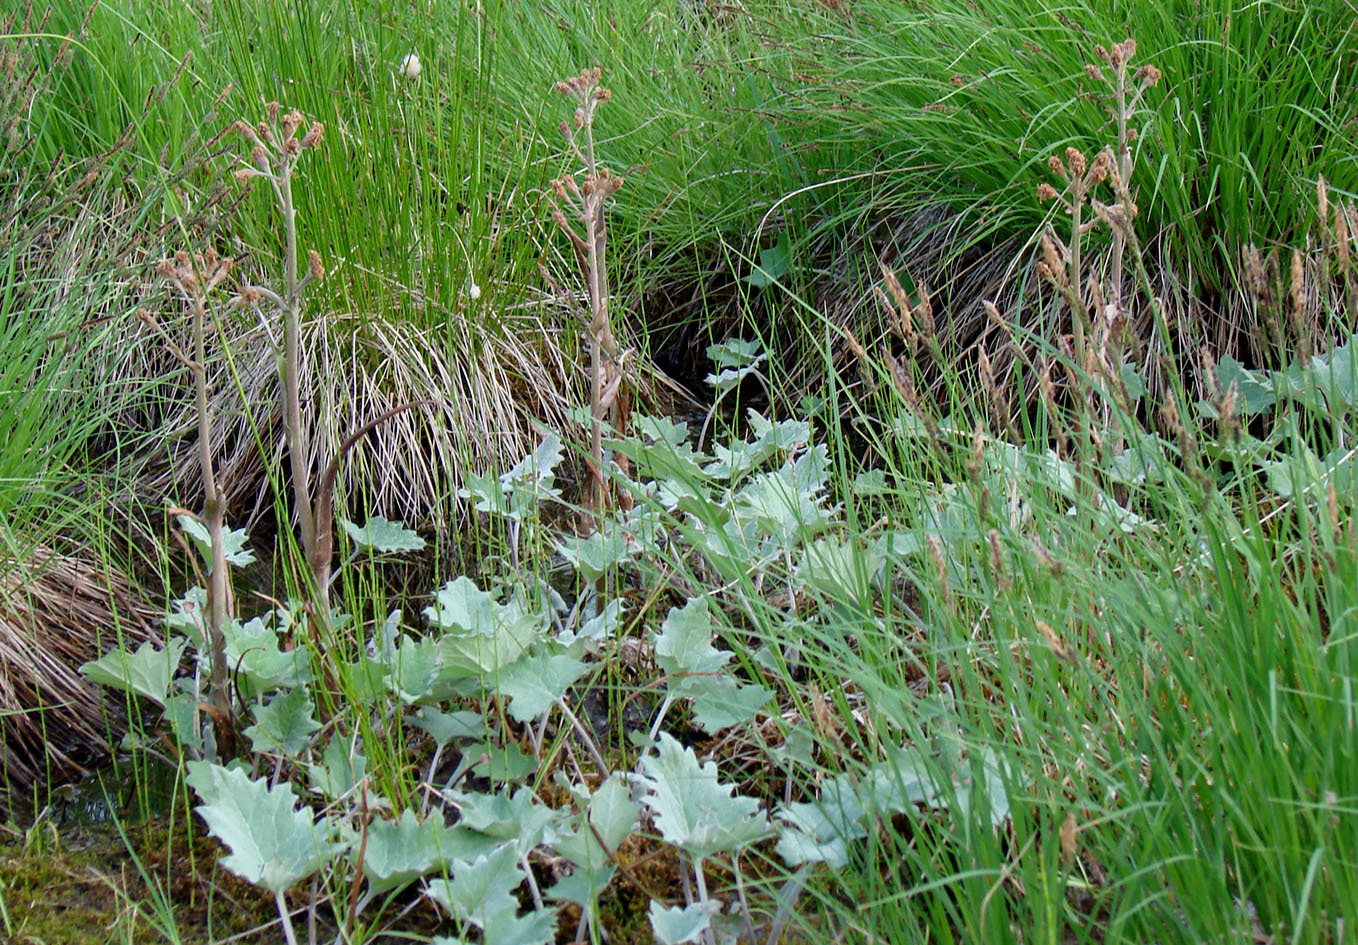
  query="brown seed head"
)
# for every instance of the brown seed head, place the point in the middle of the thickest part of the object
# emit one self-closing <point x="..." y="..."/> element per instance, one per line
<point x="1149" y="76"/>
<point x="1322" y="202"/>
<point x="1094" y="72"/>
<point x="1052" y="259"/>
<point x="291" y="122"/>
<point x="272" y="111"/>
<point x="312" y="139"/>
<point x="314" y="261"/>
<point x="1255" y="279"/>
<point x="1046" y="192"/>
<point x="1298" y="287"/>
<point x="264" y="133"/>
<point x="1098" y="173"/>
<point x="1057" y="167"/>
<point x="1341" y="235"/>
<point x="1077" y="162"/>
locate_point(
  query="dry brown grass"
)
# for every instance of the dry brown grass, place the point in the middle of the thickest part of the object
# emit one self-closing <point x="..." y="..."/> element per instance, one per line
<point x="58" y="609"/>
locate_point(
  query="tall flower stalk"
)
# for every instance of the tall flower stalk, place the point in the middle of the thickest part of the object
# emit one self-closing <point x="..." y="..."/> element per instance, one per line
<point x="578" y="209"/>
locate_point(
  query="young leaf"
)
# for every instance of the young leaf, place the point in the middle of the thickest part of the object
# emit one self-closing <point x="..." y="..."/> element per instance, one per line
<point x="598" y="553"/>
<point x="693" y="811"/>
<point x="382" y="536"/>
<point x="774" y="263"/>
<point x="342" y="767"/>
<point x="146" y="672"/>
<point x="536" y="681"/>
<point x="519" y="817"/>
<point x="413" y="670"/>
<point x="681" y="923"/>
<point x="532" y="928"/>
<point x="284" y="725"/>
<point x="501" y="763"/>
<point x="719" y="701"/>
<point x="254" y="650"/>
<point x="483" y="890"/>
<point x="597" y="628"/>
<point x="272" y="843"/>
<point x="445" y="726"/>
<point x="684" y="646"/>
<point x="401" y="851"/>
<point x="233" y="539"/>
<point x="613" y="816"/>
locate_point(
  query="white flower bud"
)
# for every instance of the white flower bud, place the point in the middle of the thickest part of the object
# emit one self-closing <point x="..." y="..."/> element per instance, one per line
<point x="410" y="66"/>
<point x="473" y="291"/>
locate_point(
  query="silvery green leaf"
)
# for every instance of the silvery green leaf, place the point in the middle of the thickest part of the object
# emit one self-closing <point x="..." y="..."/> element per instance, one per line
<point x="1132" y="380"/>
<point x="732" y="462"/>
<point x="1303" y="472"/>
<point x="413" y="669"/>
<point x="284" y="725"/>
<point x="681" y="923"/>
<point x="488" y="493"/>
<point x="482" y="890"/>
<point x="660" y="429"/>
<point x="536" y="681"/>
<point x="597" y="628"/>
<point x="612" y="811"/>
<point x="684" y="645"/>
<point x="584" y="885"/>
<point x="273" y="844"/>
<point x="502" y="816"/>
<point x="612" y="816"/>
<point x="598" y="553"/>
<point x="535" y="475"/>
<point x="663" y="460"/>
<point x="484" y="655"/>
<point x="693" y="811"/>
<point x="729" y="379"/>
<point x="342" y="768"/>
<point x="783" y="436"/>
<point x="735" y="352"/>
<point x="382" y="536"/>
<point x="1254" y="389"/>
<point x="870" y="482"/>
<point x="445" y="726"/>
<point x="461" y="605"/>
<point x="774" y="263"/>
<point x="501" y="763"/>
<point x="186" y="616"/>
<point x="820" y="831"/>
<point x="532" y="928"/>
<point x="253" y="649"/>
<point x="985" y="785"/>
<point x="185" y="718"/>
<point x="233" y="540"/>
<point x="840" y="570"/>
<point x="719" y="701"/>
<point x="780" y="508"/>
<point x="401" y="851"/>
<point x="147" y="672"/>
